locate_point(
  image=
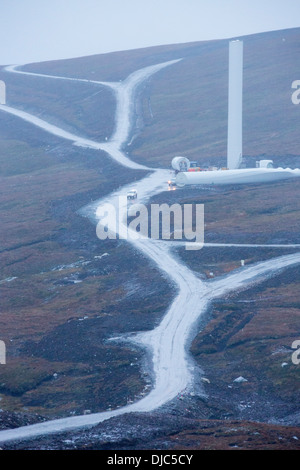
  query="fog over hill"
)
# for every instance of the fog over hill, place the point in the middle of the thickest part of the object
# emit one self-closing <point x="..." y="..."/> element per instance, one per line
<point x="184" y="109"/>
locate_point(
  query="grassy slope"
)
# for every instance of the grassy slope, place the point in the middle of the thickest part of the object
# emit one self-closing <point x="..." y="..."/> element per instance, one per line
<point x="46" y="181"/>
<point x="248" y="333"/>
<point x="196" y="95"/>
<point x="63" y="103"/>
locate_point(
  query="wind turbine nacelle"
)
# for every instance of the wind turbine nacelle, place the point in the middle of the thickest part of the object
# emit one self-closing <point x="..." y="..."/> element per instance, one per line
<point x="180" y="164"/>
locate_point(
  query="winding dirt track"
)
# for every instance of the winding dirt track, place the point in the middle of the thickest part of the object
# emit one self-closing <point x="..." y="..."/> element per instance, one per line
<point x="173" y="370"/>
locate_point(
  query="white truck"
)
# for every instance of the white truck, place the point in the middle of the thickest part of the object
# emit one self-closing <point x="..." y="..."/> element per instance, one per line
<point x="132" y="194"/>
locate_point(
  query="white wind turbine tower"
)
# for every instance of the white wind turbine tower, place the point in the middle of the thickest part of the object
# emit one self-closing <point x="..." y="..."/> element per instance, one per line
<point x="235" y="105"/>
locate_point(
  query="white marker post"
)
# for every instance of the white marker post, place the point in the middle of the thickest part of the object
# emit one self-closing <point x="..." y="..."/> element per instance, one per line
<point x="2" y="92"/>
<point x="2" y="353"/>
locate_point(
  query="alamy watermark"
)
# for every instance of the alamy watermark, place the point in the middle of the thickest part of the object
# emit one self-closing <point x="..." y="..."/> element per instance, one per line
<point x="296" y="94"/>
<point x="296" y="354"/>
<point x="2" y="352"/>
<point x="158" y="221"/>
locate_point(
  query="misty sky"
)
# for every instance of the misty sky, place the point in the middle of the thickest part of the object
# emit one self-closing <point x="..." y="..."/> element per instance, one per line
<point x="37" y="30"/>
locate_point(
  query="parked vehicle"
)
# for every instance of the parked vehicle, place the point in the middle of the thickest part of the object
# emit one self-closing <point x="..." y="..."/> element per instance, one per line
<point x="132" y="194"/>
<point x="172" y="182"/>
